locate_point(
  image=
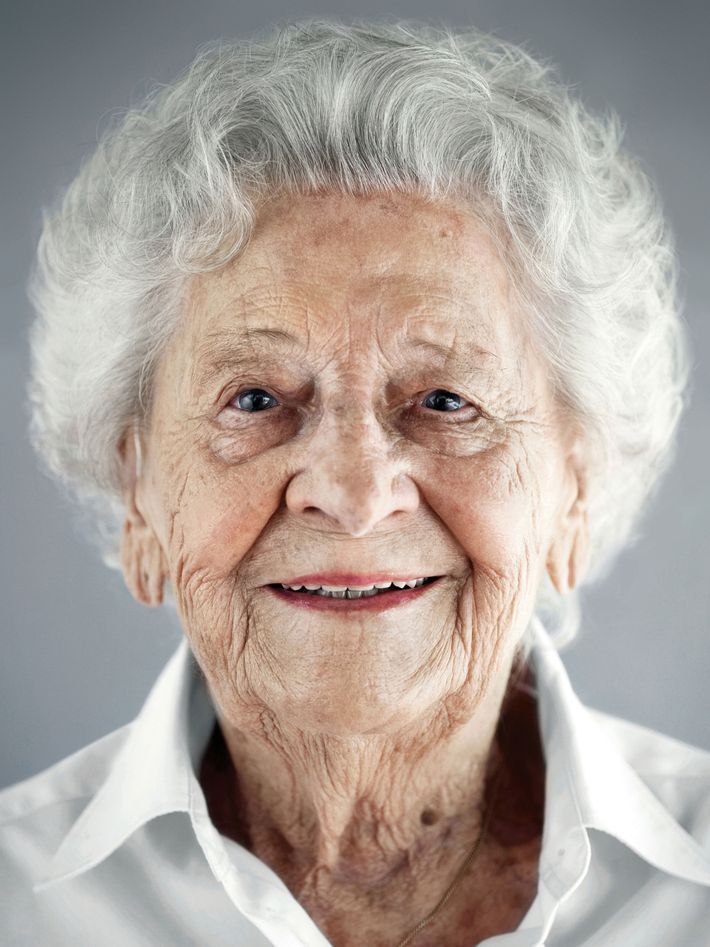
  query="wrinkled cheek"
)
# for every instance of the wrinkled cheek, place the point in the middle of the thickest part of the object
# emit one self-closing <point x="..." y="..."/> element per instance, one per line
<point x="493" y="530"/>
<point x="492" y="514"/>
<point x="212" y="609"/>
<point x="216" y="518"/>
<point x="496" y="537"/>
<point x="225" y="513"/>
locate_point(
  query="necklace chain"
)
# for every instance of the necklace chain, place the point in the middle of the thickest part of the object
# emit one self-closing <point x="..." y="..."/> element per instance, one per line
<point x="427" y="919"/>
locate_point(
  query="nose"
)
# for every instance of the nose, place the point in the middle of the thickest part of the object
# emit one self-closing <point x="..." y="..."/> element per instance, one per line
<point x="352" y="480"/>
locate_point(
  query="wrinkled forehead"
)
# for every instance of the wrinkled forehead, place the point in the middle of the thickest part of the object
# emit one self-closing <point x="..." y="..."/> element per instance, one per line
<point x="388" y="265"/>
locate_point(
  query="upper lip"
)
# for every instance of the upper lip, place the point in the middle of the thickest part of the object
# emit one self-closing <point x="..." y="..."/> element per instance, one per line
<point x="350" y="578"/>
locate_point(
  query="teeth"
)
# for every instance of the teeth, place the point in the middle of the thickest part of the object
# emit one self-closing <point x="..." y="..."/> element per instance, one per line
<point x="354" y="591"/>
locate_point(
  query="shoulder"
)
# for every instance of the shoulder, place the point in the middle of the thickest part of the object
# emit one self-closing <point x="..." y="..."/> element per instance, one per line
<point x="76" y="776"/>
<point x="652" y="751"/>
<point x="677" y="772"/>
<point x="36" y="813"/>
<point x="35" y="816"/>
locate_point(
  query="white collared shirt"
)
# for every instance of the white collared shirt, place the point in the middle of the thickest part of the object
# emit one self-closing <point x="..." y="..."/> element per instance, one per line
<point x="114" y="847"/>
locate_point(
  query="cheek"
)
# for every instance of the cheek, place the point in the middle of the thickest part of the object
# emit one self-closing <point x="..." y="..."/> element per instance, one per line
<point x="215" y="517"/>
<point x="220" y="513"/>
<point x="493" y="504"/>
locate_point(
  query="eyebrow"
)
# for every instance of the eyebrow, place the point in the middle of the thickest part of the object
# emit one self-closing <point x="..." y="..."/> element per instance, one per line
<point x="218" y="352"/>
<point x="282" y="336"/>
<point x="446" y="350"/>
<point x="267" y="332"/>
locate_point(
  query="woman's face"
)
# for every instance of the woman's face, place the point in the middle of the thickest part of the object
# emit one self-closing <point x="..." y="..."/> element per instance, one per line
<point x="355" y="394"/>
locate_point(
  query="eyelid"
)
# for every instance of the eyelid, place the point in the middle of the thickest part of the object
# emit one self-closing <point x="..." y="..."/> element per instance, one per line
<point x="229" y="395"/>
<point x="471" y="403"/>
<point x="292" y="392"/>
<point x="448" y="391"/>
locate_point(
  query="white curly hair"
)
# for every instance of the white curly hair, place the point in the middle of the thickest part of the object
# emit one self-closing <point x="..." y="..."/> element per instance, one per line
<point x="172" y="189"/>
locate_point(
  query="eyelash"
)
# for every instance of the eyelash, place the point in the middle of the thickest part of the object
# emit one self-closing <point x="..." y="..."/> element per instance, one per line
<point x="431" y="391"/>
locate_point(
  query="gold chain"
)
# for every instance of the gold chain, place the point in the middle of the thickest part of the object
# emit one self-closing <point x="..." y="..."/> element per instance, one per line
<point x="459" y="874"/>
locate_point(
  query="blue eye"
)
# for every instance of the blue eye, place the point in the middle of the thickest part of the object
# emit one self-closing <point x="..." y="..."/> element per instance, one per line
<point x="445" y="400"/>
<point x="253" y="399"/>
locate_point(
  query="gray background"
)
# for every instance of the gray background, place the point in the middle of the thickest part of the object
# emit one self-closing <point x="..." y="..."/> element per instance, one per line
<point x="78" y="654"/>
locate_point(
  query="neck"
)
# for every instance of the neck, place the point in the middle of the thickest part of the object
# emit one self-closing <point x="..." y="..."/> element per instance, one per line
<point x="366" y="814"/>
<point x="358" y="809"/>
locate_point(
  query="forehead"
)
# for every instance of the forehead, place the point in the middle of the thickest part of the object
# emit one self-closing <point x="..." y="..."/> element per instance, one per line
<point x="322" y="261"/>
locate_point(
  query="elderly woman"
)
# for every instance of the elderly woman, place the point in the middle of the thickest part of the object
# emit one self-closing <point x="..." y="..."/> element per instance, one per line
<point x="361" y="344"/>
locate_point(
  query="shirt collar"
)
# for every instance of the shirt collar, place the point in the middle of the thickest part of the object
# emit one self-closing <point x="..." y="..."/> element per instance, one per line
<point x="152" y="774"/>
<point x="589" y="784"/>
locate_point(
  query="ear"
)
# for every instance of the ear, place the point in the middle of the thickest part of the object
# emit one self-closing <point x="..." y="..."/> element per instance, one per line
<point x="568" y="554"/>
<point x="142" y="559"/>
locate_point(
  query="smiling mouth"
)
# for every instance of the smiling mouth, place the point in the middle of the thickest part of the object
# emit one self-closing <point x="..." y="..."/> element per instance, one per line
<point x="382" y="593"/>
<point x="329" y="591"/>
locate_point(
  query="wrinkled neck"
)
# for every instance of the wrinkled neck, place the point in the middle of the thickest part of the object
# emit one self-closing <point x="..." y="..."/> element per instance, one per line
<point x="373" y="811"/>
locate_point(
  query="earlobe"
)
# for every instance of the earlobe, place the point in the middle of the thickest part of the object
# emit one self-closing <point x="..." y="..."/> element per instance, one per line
<point x="579" y="555"/>
<point x="568" y="555"/>
<point x="142" y="559"/>
<point x="558" y="559"/>
<point x="143" y="564"/>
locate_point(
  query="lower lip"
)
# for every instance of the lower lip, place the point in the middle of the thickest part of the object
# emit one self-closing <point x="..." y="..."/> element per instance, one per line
<point x="373" y="603"/>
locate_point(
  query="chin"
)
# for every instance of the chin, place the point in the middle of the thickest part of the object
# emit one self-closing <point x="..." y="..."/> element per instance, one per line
<point x="350" y="714"/>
